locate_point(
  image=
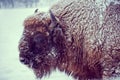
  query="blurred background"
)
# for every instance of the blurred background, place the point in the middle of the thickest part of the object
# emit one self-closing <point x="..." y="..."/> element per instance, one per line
<point x="5" y="4"/>
<point x="12" y="15"/>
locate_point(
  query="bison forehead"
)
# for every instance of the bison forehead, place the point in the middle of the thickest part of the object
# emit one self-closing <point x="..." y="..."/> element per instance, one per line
<point x="37" y="22"/>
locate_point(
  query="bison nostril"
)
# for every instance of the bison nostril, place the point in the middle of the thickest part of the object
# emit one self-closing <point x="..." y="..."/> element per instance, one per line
<point x="24" y="61"/>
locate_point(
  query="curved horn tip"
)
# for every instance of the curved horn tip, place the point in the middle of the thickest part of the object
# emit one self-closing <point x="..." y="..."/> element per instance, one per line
<point x="36" y="11"/>
<point x="52" y="16"/>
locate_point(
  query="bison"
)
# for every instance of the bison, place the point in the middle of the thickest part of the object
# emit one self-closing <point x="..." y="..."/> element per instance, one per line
<point x="74" y="38"/>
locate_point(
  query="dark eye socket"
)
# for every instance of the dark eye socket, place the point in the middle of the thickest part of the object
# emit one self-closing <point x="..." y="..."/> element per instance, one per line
<point x="39" y="38"/>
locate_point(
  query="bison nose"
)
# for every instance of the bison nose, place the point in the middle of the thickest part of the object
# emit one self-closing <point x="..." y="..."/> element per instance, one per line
<point x="24" y="61"/>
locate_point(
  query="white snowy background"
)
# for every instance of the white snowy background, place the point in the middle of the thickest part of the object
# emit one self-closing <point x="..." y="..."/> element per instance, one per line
<point x="11" y="28"/>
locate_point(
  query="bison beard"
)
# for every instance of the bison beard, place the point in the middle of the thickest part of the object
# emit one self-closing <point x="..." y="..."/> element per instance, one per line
<point x="47" y="44"/>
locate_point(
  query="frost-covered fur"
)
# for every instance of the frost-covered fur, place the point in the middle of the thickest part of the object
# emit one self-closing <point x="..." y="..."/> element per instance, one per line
<point x="80" y="37"/>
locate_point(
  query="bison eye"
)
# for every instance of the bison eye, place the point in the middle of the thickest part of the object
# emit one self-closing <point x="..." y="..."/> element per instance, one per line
<point x="39" y="38"/>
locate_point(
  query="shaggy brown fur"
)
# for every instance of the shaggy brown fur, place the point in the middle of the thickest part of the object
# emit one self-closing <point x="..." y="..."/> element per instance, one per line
<point x="72" y="39"/>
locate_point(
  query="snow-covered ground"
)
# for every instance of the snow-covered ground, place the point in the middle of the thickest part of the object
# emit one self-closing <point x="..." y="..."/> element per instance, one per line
<point x="11" y="28"/>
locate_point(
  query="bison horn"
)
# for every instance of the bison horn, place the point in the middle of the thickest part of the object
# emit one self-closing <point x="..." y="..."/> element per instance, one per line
<point x="53" y="18"/>
<point x="54" y="21"/>
<point x="36" y="11"/>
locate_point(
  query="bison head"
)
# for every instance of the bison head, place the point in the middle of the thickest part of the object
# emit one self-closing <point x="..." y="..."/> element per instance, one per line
<point x="42" y="43"/>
